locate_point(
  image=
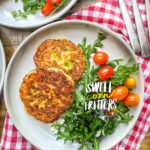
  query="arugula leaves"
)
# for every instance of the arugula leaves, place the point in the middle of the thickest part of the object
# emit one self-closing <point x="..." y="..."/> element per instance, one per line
<point x="122" y="73"/>
<point x="89" y="75"/>
<point x="82" y="126"/>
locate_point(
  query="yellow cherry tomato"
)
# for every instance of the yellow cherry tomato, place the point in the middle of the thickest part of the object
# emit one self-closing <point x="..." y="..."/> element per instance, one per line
<point x="130" y="83"/>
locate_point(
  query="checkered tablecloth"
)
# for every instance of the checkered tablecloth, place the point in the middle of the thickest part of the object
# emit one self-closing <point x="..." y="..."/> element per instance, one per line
<point x="106" y="13"/>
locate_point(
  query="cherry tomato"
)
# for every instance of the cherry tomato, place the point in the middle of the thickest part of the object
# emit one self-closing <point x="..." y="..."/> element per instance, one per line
<point x="57" y="2"/>
<point x="131" y="100"/>
<point x="130" y="83"/>
<point x="105" y="72"/>
<point x="119" y="93"/>
<point x="48" y="8"/>
<point x="112" y="113"/>
<point x="100" y="58"/>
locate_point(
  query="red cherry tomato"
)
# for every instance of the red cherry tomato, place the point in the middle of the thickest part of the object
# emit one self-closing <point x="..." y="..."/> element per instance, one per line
<point x="100" y="58"/>
<point x="57" y="2"/>
<point x="48" y="8"/>
<point x="105" y="72"/>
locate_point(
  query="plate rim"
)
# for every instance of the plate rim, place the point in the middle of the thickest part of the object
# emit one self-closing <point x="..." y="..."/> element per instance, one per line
<point x="58" y="15"/>
<point x="3" y="66"/>
<point x="112" y="33"/>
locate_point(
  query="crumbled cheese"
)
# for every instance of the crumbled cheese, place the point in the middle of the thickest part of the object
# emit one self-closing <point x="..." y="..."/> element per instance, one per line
<point x="54" y="130"/>
<point x="98" y="133"/>
<point x="59" y="121"/>
<point x="102" y="117"/>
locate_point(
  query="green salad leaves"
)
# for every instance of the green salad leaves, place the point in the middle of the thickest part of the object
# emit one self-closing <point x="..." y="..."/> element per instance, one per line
<point x="87" y="127"/>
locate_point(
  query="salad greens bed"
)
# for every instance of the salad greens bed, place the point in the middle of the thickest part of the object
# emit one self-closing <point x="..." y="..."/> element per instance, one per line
<point x="32" y="6"/>
<point x="86" y="127"/>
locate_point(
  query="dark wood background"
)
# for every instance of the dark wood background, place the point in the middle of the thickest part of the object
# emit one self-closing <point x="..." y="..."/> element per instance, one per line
<point x="11" y="39"/>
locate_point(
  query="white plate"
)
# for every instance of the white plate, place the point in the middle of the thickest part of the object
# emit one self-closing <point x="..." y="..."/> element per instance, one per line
<point x="22" y="62"/>
<point x="2" y="66"/>
<point x="33" y="20"/>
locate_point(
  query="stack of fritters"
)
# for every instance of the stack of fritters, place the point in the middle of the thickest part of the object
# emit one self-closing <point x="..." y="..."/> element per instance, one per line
<point x="48" y="90"/>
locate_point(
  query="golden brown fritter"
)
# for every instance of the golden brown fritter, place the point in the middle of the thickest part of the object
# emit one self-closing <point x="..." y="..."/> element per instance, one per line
<point x="47" y="93"/>
<point x="62" y="54"/>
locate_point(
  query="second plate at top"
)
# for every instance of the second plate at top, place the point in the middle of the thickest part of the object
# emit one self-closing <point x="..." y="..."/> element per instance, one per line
<point x="33" y="20"/>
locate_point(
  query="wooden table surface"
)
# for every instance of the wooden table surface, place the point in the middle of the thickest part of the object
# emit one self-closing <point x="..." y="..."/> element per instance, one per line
<point x="11" y="38"/>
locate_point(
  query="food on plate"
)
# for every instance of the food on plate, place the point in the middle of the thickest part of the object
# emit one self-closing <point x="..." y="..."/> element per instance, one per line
<point x="131" y="100"/>
<point x="105" y="72"/>
<point x="47" y="93"/>
<point x="32" y="6"/>
<point x="119" y="93"/>
<point x="130" y="82"/>
<point x="62" y="54"/>
<point x="100" y="58"/>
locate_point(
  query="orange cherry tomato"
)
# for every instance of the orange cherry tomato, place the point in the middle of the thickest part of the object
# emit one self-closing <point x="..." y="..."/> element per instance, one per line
<point x="131" y="100"/>
<point x="105" y="72"/>
<point x="57" y="2"/>
<point x="130" y="83"/>
<point x="119" y="93"/>
<point x="112" y="113"/>
<point x="48" y="8"/>
<point x="100" y="58"/>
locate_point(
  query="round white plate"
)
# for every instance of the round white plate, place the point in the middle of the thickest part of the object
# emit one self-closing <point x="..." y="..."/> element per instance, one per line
<point x="2" y="66"/>
<point x="22" y="62"/>
<point x="33" y="20"/>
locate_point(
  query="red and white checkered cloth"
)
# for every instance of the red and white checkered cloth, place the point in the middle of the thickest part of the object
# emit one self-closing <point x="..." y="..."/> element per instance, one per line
<point x="106" y="13"/>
